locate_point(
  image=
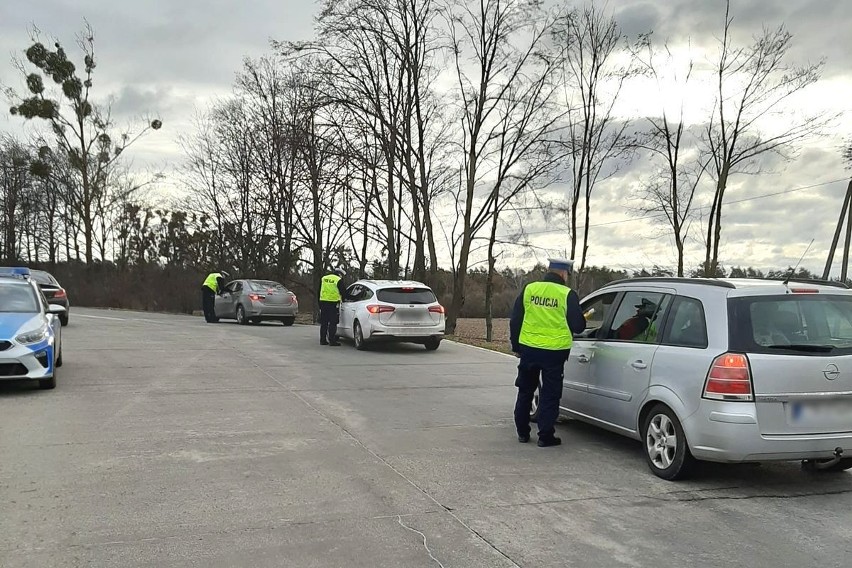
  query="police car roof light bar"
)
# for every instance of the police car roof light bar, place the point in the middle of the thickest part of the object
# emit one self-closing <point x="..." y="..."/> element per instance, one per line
<point x="19" y="272"/>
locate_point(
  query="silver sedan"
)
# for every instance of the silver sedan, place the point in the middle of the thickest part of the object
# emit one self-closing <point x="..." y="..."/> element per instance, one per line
<point x="253" y="301"/>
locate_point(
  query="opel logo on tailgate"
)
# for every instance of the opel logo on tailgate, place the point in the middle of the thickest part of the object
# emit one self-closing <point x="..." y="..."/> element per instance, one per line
<point x="831" y="372"/>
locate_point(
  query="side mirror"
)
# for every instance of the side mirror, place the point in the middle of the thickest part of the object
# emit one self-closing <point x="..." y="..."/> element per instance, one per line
<point x="56" y="309"/>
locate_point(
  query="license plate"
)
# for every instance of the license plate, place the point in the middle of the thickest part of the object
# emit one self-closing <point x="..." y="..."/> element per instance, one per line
<point x="821" y="413"/>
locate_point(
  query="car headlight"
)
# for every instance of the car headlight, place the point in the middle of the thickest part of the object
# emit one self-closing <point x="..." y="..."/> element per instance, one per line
<point x="31" y="337"/>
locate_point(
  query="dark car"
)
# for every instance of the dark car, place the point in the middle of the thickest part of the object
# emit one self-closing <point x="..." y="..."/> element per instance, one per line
<point x="53" y="291"/>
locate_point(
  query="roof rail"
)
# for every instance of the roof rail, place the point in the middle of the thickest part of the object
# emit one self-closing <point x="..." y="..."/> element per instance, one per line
<point x="674" y="279"/>
<point x="820" y="281"/>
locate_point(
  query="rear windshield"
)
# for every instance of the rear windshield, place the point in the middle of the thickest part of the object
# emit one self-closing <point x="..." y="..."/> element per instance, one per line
<point x="263" y="285"/>
<point x="816" y="324"/>
<point x="407" y="296"/>
<point x="18" y="299"/>
<point x="43" y="278"/>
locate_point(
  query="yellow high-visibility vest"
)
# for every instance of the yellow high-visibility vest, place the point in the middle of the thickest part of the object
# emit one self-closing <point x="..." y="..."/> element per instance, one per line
<point x="212" y="281"/>
<point x="329" y="291"/>
<point x="545" y="324"/>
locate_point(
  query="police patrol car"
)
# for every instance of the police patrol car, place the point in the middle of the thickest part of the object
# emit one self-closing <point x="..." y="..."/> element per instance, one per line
<point x="30" y="330"/>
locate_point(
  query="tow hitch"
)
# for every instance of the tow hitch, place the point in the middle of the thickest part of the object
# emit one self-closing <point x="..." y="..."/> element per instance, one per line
<point x="824" y="464"/>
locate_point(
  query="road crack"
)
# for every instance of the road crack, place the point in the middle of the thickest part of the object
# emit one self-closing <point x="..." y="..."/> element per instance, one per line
<point x="425" y="544"/>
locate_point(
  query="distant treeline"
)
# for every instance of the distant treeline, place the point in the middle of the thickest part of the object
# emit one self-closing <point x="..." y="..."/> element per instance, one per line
<point x="154" y="287"/>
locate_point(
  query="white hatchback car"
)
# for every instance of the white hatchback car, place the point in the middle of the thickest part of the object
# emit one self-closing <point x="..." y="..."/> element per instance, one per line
<point x="374" y="311"/>
<point x="732" y="370"/>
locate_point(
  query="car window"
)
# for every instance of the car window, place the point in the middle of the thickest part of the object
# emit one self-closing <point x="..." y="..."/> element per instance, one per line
<point x="407" y="295"/>
<point x="265" y="285"/>
<point x="18" y="299"/>
<point x="596" y="312"/>
<point x="42" y="277"/>
<point x="353" y="293"/>
<point x="810" y="324"/>
<point x="686" y="326"/>
<point x="638" y="316"/>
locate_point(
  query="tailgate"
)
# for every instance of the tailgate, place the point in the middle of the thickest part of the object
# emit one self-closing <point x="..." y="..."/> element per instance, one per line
<point x="404" y="316"/>
<point x="802" y="394"/>
<point x="799" y="347"/>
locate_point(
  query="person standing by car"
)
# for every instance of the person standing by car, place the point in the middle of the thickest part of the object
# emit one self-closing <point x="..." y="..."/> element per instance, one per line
<point x="213" y="285"/>
<point x="545" y="317"/>
<point x="329" y="296"/>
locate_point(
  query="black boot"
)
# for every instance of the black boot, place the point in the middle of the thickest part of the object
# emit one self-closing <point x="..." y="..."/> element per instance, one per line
<point x="548" y="441"/>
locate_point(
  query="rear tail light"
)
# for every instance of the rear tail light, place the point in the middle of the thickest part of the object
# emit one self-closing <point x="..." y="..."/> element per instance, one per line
<point x="256" y="297"/>
<point x="59" y="293"/>
<point x="729" y="378"/>
<point x="374" y="309"/>
<point x="437" y="309"/>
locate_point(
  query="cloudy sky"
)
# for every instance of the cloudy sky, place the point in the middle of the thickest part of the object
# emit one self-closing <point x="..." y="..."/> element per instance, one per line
<point x="170" y="57"/>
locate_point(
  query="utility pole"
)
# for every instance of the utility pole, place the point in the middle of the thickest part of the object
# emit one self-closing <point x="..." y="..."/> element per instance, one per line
<point x="845" y="216"/>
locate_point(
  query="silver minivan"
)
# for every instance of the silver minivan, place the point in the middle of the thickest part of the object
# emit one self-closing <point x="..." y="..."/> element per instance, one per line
<point x="727" y="370"/>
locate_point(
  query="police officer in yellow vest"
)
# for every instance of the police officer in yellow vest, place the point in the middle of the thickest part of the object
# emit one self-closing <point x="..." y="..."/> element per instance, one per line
<point x="330" y="294"/>
<point x="545" y="317"/>
<point x="213" y="284"/>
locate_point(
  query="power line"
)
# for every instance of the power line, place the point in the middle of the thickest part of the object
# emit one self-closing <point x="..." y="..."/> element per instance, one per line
<point x="660" y="216"/>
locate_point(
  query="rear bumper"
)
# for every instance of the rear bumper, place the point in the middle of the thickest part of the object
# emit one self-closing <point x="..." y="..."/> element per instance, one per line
<point x="265" y="311"/>
<point x="413" y="334"/>
<point x="729" y="432"/>
<point x="60" y="302"/>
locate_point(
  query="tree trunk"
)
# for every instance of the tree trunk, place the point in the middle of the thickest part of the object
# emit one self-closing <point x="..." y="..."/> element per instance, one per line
<point x="489" y="281"/>
<point x="714" y="225"/>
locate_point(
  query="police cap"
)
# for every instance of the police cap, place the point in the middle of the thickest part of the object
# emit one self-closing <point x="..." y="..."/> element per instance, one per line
<point x="561" y="264"/>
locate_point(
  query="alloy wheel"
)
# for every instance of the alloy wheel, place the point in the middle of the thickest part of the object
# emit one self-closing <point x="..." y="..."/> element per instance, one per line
<point x="661" y="441"/>
<point x="358" y="336"/>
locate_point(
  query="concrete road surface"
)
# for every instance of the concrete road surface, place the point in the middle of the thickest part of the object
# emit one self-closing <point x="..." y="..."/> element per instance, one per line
<point x="171" y="442"/>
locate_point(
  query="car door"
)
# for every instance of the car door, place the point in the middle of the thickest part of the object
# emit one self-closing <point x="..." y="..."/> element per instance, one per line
<point x="347" y="309"/>
<point x="225" y="305"/>
<point x="620" y="367"/>
<point x="575" y="391"/>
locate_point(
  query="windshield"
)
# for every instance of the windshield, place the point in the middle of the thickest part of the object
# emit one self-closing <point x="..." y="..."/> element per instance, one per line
<point x="406" y="296"/>
<point x="263" y="285"/>
<point x="814" y="324"/>
<point x="18" y="298"/>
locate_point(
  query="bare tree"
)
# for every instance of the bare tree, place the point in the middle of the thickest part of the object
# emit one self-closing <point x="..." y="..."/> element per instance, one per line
<point x="15" y="176"/>
<point x="203" y="177"/>
<point x="669" y="196"/>
<point x="497" y="81"/>
<point x="263" y="85"/>
<point x="592" y="43"/>
<point x="84" y="130"/>
<point x="752" y="85"/>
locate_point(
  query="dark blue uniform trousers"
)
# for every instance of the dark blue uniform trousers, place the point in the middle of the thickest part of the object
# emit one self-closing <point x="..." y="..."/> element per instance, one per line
<point x="548" y="368"/>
